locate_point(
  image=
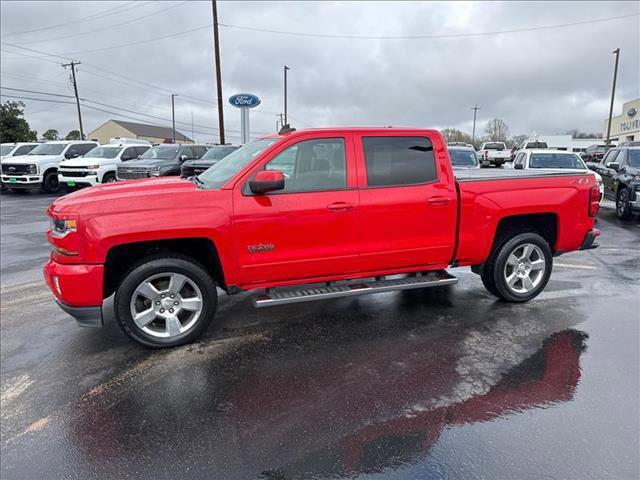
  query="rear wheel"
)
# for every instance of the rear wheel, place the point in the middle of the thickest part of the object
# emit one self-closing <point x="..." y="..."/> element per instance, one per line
<point x="623" y="209"/>
<point x="50" y="182"/>
<point x="519" y="268"/>
<point x="165" y="301"/>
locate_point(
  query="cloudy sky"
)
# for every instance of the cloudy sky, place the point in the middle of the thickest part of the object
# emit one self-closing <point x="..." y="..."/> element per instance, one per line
<point x="352" y="63"/>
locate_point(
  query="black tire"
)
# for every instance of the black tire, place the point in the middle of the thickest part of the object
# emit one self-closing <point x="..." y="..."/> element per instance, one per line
<point x="109" y="177"/>
<point x="623" y="209"/>
<point x="494" y="270"/>
<point x="160" y="264"/>
<point x="50" y="182"/>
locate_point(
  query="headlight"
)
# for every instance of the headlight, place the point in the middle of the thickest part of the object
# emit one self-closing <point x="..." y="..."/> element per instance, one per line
<point x="155" y="172"/>
<point x="32" y="169"/>
<point x="61" y="227"/>
<point x="93" y="167"/>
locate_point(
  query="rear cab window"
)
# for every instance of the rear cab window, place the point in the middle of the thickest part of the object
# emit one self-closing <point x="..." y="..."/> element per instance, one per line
<point x="398" y="161"/>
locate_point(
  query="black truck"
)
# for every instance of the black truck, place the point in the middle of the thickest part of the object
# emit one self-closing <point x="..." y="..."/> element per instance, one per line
<point x="620" y="171"/>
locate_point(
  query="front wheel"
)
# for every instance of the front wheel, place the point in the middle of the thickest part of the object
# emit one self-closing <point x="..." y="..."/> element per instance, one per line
<point x="623" y="209"/>
<point x="165" y="301"/>
<point x="109" y="177"/>
<point x="50" y="182"/>
<point x="519" y="268"/>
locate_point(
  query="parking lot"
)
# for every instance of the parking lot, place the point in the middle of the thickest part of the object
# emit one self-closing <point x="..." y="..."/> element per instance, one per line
<point x="440" y="383"/>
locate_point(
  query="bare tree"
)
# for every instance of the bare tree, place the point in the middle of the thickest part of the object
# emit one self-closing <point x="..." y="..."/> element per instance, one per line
<point x="455" y="135"/>
<point x="497" y="130"/>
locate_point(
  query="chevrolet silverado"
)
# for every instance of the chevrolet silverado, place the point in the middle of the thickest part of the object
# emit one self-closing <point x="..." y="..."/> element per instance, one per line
<point x="309" y="215"/>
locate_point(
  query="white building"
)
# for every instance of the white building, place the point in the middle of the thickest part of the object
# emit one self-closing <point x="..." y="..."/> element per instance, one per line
<point x="626" y="126"/>
<point x="567" y="142"/>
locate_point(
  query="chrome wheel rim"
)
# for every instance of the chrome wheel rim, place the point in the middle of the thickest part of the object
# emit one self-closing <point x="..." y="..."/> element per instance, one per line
<point x="525" y="268"/>
<point x="166" y="305"/>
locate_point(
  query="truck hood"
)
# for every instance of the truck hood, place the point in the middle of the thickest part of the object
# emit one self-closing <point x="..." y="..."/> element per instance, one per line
<point x="153" y="194"/>
<point x="26" y="159"/>
<point x="83" y="162"/>
<point x="151" y="163"/>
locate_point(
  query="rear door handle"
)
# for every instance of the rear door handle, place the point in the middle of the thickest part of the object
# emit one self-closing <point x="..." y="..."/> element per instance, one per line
<point x="340" y="206"/>
<point x="438" y="201"/>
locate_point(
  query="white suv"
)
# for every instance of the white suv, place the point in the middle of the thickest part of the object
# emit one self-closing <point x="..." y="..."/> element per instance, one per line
<point x="39" y="168"/>
<point x="100" y="164"/>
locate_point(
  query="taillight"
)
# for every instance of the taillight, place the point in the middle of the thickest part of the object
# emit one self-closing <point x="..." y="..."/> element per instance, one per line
<point x="594" y="201"/>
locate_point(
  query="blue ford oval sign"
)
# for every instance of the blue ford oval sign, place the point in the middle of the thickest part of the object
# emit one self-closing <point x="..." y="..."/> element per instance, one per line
<point x="244" y="100"/>
<point x="632" y="112"/>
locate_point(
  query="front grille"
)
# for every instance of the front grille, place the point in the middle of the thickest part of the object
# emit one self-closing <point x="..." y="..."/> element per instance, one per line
<point x="73" y="174"/>
<point x="9" y="169"/>
<point x="128" y="173"/>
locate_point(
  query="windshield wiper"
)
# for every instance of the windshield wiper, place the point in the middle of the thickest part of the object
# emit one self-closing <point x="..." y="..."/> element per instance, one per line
<point x="197" y="181"/>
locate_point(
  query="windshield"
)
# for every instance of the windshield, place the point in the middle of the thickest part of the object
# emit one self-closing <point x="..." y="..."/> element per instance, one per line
<point x="6" y="149"/>
<point x="494" y="146"/>
<point x="462" y="158"/>
<point x="218" y="174"/>
<point x="556" y="160"/>
<point x="103" y="152"/>
<point x="162" y="153"/>
<point x="218" y="153"/>
<point x="48" y="149"/>
<point x="634" y="158"/>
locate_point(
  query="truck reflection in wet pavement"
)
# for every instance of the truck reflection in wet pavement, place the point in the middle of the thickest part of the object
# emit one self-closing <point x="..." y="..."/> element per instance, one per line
<point x="327" y="402"/>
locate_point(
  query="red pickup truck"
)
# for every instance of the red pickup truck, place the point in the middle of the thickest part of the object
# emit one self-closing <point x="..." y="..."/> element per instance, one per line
<point x="307" y="215"/>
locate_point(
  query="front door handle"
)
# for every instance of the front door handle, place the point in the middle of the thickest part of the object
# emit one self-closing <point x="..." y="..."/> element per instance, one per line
<point x="340" y="206"/>
<point x="438" y="201"/>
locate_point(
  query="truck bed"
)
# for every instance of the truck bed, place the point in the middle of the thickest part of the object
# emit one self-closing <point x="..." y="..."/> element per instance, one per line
<point x="479" y="174"/>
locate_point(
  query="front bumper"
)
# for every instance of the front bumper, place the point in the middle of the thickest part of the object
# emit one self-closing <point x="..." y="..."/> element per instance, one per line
<point x="86" y="180"/>
<point x="634" y="203"/>
<point x="21" y="181"/>
<point x="85" y="316"/>
<point x="77" y="289"/>
<point x="589" y="241"/>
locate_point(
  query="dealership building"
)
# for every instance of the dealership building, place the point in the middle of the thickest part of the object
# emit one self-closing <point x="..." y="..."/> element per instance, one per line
<point x="625" y="127"/>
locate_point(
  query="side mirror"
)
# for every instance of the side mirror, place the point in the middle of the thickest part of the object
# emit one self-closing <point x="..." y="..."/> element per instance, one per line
<point x="183" y="158"/>
<point x="267" y="181"/>
<point x="70" y="155"/>
<point x="519" y="166"/>
<point x="614" y="166"/>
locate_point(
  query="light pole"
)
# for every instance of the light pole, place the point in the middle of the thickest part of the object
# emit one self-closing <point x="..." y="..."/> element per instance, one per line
<point x="473" y="133"/>
<point x="216" y="48"/>
<point x="173" y="118"/>
<point x="613" y="93"/>
<point x="285" y="95"/>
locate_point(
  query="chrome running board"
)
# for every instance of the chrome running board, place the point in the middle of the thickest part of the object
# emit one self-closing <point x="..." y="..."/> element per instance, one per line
<point x="421" y="280"/>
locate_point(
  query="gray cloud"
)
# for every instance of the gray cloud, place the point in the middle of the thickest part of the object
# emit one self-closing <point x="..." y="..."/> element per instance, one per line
<point x="547" y="81"/>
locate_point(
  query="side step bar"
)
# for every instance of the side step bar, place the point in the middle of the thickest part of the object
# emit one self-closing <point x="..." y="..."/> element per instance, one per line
<point x="424" y="280"/>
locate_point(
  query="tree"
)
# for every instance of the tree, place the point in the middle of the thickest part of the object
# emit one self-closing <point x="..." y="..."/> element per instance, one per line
<point x="73" y="135"/>
<point x="497" y="130"/>
<point x="517" y="140"/>
<point x="14" y="128"/>
<point x="455" y="135"/>
<point x="51" y="134"/>
<point x="575" y="133"/>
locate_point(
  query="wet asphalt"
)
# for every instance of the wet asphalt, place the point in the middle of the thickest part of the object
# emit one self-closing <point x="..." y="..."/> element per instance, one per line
<point x="440" y="383"/>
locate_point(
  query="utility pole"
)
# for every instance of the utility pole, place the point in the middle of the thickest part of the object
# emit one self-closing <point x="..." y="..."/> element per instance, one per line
<point x="75" y="89"/>
<point x="173" y="118"/>
<point x="473" y="133"/>
<point x="193" y="137"/>
<point x="285" y="95"/>
<point x="216" y="48"/>
<point x="613" y="94"/>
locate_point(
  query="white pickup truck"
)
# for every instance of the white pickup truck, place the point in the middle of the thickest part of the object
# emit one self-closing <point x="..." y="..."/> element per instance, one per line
<point x="494" y="153"/>
<point x="39" y="168"/>
<point x="100" y="164"/>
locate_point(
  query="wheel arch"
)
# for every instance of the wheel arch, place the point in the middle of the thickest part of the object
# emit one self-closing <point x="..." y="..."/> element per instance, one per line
<point x="120" y="257"/>
<point x="545" y="224"/>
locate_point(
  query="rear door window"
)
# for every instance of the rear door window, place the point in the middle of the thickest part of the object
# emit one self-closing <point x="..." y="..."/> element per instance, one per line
<point x="396" y="161"/>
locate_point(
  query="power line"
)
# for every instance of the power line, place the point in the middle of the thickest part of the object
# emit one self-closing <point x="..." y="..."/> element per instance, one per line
<point x="39" y="93"/>
<point x="94" y="16"/>
<point x="107" y="27"/>
<point x="33" y="98"/>
<point x="419" y="37"/>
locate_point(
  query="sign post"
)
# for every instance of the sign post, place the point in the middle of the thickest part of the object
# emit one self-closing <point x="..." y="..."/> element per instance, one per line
<point x="244" y="101"/>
